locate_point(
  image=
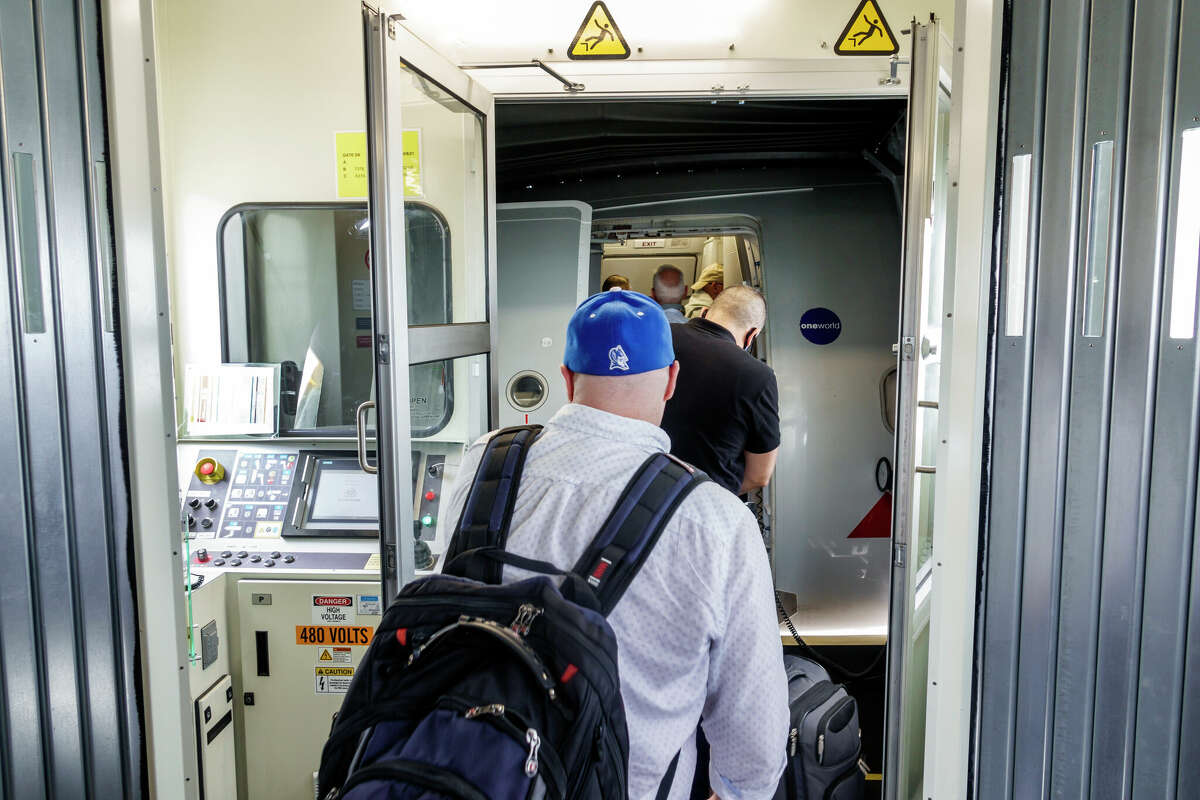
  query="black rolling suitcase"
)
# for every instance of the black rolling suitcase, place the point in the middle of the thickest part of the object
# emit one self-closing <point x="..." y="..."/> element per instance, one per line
<point x="823" y="738"/>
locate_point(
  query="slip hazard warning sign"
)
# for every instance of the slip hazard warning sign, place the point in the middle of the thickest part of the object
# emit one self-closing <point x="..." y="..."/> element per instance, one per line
<point x="598" y="37"/>
<point x="867" y="33"/>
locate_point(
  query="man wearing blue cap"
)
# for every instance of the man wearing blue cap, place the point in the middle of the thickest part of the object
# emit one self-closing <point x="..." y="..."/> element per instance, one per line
<point x="696" y="630"/>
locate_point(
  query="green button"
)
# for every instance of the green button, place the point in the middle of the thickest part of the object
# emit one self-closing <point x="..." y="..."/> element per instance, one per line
<point x="427" y="520"/>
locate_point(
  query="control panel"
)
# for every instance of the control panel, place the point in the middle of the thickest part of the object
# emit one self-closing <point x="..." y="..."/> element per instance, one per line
<point x="284" y="507"/>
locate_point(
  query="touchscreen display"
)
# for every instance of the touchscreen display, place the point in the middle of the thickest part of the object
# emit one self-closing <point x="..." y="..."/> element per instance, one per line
<point x="346" y="495"/>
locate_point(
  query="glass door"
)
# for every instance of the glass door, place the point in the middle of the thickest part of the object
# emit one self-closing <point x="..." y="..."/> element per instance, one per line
<point x="917" y="413"/>
<point x="430" y="144"/>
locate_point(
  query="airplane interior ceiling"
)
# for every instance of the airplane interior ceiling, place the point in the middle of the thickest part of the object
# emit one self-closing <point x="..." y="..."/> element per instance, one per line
<point x="545" y="143"/>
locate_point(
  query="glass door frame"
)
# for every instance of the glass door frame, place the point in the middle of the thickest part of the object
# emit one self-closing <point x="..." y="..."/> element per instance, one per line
<point x="906" y="617"/>
<point x="392" y="54"/>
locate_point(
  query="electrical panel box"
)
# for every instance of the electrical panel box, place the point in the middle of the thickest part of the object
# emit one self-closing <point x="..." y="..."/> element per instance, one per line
<point x="215" y="741"/>
<point x="300" y="644"/>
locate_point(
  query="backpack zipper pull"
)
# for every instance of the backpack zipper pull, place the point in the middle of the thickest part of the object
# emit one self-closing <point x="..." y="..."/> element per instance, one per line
<point x="526" y="614"/>
<point x="793" y="737"/>
<point x="494" y="709"/>
<point x="821" y="749"/>
<point x="535" y="742"/>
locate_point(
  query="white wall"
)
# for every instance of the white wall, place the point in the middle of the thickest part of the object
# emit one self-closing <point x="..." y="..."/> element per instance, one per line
<point x="251" y="94"/>
<point x="251" y="98"/>
<point x="474" y="31"/>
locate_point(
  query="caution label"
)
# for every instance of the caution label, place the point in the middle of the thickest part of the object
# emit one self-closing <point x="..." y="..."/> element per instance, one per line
<point x="334" y="634"/>
<point x="867" y="33"/>
<point x="333" y="609"/>
<point x="598" y="37"/>
<point x="335" y="655"/>
<point x="333" y="680"/>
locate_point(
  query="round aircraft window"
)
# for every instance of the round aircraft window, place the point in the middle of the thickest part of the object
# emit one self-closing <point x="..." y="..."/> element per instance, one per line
<point x="527" y="390"/>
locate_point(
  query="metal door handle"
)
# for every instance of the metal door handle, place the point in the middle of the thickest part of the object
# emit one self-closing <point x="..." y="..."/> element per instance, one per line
<point x="360" y="425"/>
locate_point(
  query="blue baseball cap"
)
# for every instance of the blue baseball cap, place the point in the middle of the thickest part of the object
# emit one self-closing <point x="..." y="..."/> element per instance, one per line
<point x="618" y="332"/>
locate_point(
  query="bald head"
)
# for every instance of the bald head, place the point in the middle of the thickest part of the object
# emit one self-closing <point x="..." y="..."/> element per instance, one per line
<point x="640" y="396"/>
<point x="669" y="287"/>
<point x="742" y="311"/>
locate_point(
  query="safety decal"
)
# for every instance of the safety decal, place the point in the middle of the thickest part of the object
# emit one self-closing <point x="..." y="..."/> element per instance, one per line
<point x="333" y="610"/>
<point x="369" y="604"/>
<point x="867" y="33"/>
<point x="335" y="655"/>
<point x="820" y="325"/>
<point x="333" y="680"/>
<point x="334" y="634"/>
<point x="598" y="36"/>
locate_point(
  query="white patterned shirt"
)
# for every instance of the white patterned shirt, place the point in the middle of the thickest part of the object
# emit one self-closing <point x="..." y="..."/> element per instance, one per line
<point x="696" y="629"/>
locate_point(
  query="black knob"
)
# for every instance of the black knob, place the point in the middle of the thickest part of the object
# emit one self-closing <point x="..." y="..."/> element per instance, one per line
<point x="288" y="559"/>
<point x="268" y="563"/>
<point x="435" y="470"/>
<point x="225" y="554"/>
<point x="241" y="554"/>
<point x="194" y="502"/>
<point x="275" y="554"/>
<point x="218" y="562"/>
<point x="202" y="554"/>
<point x="237" y="562"/>
<point x="254" y="559"/>
<point x="191" y="521"/>
<point x="210" y="503"/>
<point x="206" y="523"/>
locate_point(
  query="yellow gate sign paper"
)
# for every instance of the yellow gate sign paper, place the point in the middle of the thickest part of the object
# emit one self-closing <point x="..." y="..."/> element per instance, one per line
<point x="351" y="156"/>
<point x="867" y="33"/>
<point x="411" y="142"/>
<point x="351" y="149"/>
<point x="598" y="37"/>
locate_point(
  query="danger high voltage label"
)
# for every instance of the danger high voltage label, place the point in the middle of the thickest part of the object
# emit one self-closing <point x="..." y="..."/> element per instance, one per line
<point x="335" y="609"/>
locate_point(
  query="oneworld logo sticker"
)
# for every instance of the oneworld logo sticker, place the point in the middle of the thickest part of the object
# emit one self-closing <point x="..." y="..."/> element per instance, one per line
<point x="820" y="326"/>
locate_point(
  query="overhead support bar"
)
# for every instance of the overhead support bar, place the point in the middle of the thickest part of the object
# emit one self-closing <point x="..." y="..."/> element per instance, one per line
<point x="568" y="85"/>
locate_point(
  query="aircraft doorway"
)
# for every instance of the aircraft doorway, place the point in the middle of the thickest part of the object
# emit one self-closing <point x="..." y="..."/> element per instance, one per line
<point x="801" y="199"/>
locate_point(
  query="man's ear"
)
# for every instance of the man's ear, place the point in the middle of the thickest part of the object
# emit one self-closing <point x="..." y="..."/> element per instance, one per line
<point x="704" y="312"/>
<point x="569" y="380"/>
<point x="751" y="335"/>
<point x="672" y="377"/>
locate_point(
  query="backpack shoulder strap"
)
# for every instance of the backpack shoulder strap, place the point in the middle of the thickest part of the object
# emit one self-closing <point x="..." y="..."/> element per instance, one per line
<point x="488" y="509"/>
<point x="629" y="534"/>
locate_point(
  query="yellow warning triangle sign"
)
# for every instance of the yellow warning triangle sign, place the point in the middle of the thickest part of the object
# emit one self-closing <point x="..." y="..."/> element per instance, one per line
<point x="325" y="655"/>
<point x="598" y="36"/>
<point x="867" y="33"/>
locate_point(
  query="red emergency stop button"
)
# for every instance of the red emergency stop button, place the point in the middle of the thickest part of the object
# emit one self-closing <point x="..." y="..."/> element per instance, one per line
<point x="209" y="470"/>
<point x="431" y="495"/>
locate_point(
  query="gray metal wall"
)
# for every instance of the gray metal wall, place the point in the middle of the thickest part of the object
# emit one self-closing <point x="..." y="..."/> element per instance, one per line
<point x="836" y="245"/>
<point x="68" y="717"/>
<point x="1089" y="639"/>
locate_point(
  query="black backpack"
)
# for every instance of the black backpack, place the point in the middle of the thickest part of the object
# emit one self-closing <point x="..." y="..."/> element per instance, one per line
<point x="824" y="741"/>
<point x="474" y="690"/>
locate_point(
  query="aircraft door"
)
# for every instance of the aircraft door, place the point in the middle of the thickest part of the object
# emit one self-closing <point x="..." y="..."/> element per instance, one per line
<point x="544" y="265"/>
<point x="430" y="143"/>
<point x="917" y="415"/>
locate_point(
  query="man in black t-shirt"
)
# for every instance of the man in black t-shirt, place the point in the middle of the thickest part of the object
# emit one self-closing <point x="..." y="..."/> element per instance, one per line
<point x="724" y="417"/>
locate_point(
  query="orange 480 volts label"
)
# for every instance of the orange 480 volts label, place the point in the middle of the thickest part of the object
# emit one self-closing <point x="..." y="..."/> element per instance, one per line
<point x="334" y="634"/>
